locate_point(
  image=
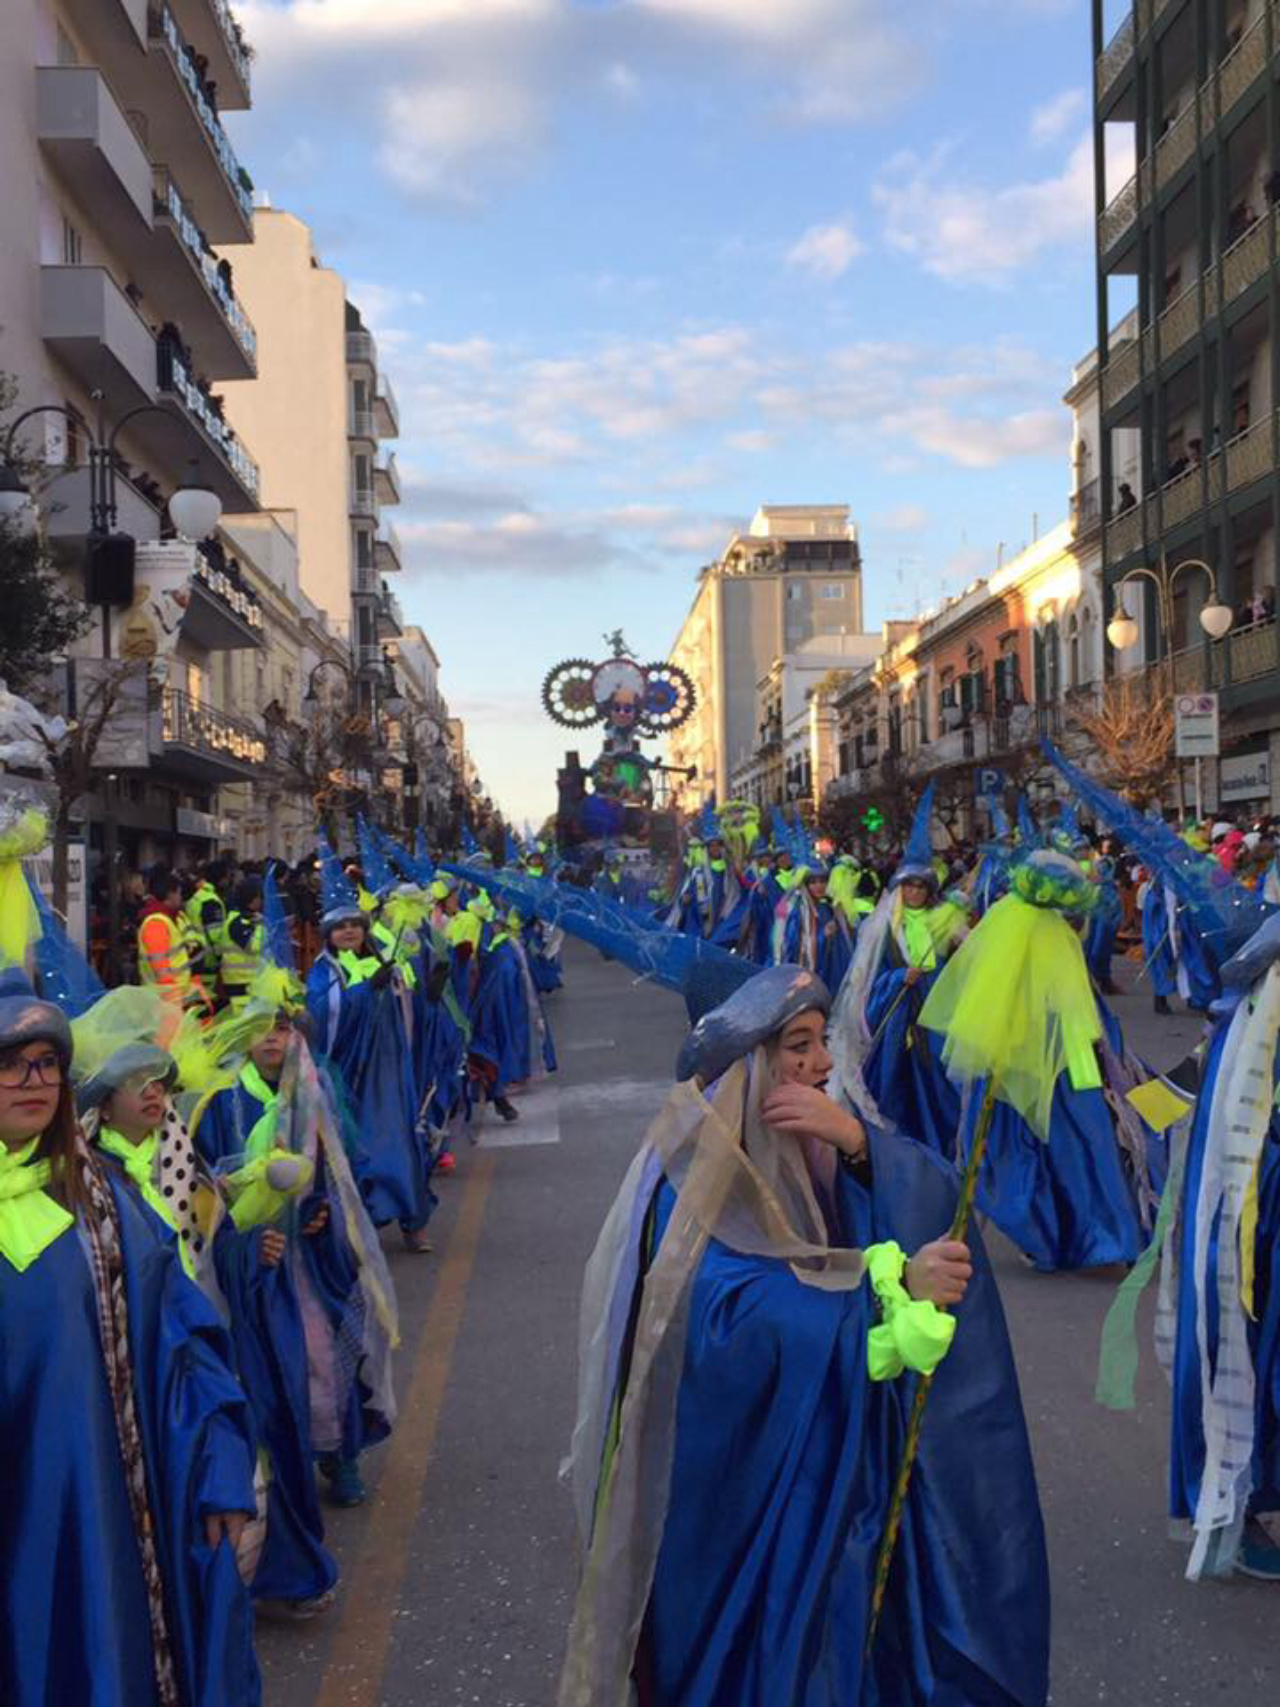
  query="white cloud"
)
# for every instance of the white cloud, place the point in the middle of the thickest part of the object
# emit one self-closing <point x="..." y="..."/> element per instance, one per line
<point x="826" y="251"/>
<point x="1056" y="117"/>
<point x="462" y="94"/>
<point x="963" y="231"/>
<point x="904" y="518"/>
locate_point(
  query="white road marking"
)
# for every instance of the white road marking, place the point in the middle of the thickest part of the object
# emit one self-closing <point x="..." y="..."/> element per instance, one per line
<point x="539" y="1121"/>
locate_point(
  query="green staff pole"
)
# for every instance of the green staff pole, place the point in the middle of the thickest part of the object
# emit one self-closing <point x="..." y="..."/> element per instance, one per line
<point x="898" y="1504"/>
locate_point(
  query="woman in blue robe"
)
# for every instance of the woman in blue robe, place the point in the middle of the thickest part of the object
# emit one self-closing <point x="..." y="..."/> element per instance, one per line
<point x="359" y="1009"/>
<point x="738" y="1436"/>
<point x="1224" y="1493"/>
<point x="87" y="1287"/>
<point x="1104" y="925"/>
<point x="814" y="933"/>
<point x="333" y="1307"/>
<point x="511" y="1035"/>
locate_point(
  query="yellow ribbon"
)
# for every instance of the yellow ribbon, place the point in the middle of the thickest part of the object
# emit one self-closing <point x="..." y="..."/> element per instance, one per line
<point x="914" y="1334"/>
<point x="30" y="1220"/>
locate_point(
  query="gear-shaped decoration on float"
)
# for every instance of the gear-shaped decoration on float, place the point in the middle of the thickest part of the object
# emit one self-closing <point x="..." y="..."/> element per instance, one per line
<point x="669" y="699"/>
<point x="567" y="694"/>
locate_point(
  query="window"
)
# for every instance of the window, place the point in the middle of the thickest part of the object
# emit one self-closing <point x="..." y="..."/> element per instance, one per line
<point x="1240" y="407"/>
<point x="1086" y="648"/>
<point x="833" y="590"/>
<point x="364" y="549"/>
<point x="795" y="593"/>
<point x="361" y="390"/>
<point x="72" y="244"/>
<point x="1008" y="686"/>
<point x="1073" y="654"/>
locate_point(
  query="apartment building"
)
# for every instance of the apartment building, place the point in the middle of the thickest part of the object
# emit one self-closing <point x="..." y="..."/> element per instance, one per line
<point x="121" y="324"/>
<point x="324" y="412"/>
<point x="1188" y="305"/>
<point x="793" y="579"/>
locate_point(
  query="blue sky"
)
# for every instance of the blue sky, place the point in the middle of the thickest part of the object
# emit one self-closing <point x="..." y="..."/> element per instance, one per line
<point x="637" y="266"/>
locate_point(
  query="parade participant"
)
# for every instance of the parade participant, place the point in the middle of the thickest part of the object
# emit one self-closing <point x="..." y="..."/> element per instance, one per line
<point x="242" y="939"/>
<point x="206" y="916"/>
<point x="900" y="949"/>
<point x="358" y="1006"/>
<point x="1068" y="1172"/>
<point x="1225" y="1441"/>
<point x="745" y="1318"/>
<point x="510" y="1035"/>
<point x="1104" y="924"/>
<point x="811" y="932"/>
<point x="145" y="1482"/>
<point x="164" y="956"/>
<point x="321" y="1323"/>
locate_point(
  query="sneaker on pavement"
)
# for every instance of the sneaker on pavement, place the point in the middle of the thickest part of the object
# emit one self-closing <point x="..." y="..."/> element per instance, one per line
<point x="445" y="1163"/>
<point x="1259" y="1559"/>
<point x="345" y="1486"/>
<point x="505" y="1108"/>
<point x="296" y="1611"/>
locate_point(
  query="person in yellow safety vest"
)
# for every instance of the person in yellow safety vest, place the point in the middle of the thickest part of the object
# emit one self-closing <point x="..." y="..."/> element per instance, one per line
<point x="244" y="939"/>
<point x="206" y="916"/>
<point x="164" y="958"/>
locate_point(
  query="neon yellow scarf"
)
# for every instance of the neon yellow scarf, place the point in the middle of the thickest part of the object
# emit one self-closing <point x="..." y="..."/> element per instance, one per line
<point x="30" y="1220"/>
<point x="139" y="1163"/>
<point x="258" y="1143"/>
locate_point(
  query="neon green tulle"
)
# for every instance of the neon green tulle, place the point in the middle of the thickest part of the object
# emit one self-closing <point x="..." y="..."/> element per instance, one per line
<point x="19" y="921"/>
<point x="1014" y="1004"/>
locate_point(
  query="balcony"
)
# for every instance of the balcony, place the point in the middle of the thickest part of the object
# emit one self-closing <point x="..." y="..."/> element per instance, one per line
<point x="213" y="32"/>
<point x="196" y="290"/>
<point x="361" y="350"/>
<point x="219" y="456"/>
<point x="67" y="515"/>
<point x="1114" y="59"/>
<point x="386" y="553"/>
<point x="390" y="615"/>
<point x="386" y="410"/>
<point x="1086" y="508"/>
<point x="170" y="107"/>
<point x="113" y="31"/>
<point x="1240" y="267"/>
<point x="362" y="424"/>
<point x="84" y="134"/>
<point x="223" y="614"/>
<point x="98" y="335"/>
<point x="363" y="502"/>
<point x="199" y="742"/>
<point x="386" y="481"/>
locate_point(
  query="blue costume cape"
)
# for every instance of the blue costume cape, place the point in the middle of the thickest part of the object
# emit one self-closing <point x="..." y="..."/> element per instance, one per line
<point x="548" y="974"/>
<point x="832" y="954"/>
<point x="1193" y="959"/>
<point x="763" y="1581"/>
<point x="330" y="1266"/>
<point x="1187" y="1445"/>
<point x="75" y="1618"/>
<point x="503" y="1034"/>
<point x="362" y="1032"/>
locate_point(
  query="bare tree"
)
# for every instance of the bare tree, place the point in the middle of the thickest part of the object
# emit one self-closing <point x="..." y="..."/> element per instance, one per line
<point x="1131" y="729"/>
<point x="320" y="760"/>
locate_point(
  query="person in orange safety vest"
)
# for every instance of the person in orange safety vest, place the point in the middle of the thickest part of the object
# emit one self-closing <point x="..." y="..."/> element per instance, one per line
<point x="164" y="955"/>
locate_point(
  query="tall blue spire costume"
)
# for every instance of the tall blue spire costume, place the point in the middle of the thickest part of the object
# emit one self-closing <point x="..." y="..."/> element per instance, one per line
<point x="359" y="1008"/>
<point x="106" y="1293"/>
<point x="813" y="932"/>
<point x="733" y="1451"/>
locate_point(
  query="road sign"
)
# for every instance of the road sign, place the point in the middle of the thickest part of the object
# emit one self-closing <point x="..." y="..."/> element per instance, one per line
<point x="1195" y="723"/>
<point x="989" y="783"/>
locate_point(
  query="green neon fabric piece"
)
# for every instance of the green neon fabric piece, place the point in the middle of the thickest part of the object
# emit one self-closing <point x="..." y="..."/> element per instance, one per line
<point x="30" y="1220"/>
<point x="914" y="1333"/>
<point x="256" y="1201"/>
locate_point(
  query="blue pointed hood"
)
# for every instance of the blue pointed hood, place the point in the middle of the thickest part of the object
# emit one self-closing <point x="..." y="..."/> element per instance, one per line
<point x="277" y="930"/>
<point x="917" y="856"/>
<point x="379" y="879"/>
<point x="338" y="899"/>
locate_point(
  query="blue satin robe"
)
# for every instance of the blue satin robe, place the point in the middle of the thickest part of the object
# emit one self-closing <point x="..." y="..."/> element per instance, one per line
<point x="1100" y="939"/>
<point x="75" y="1620"/>
<point x="784" y="1462"/>
<point x="1157" y="951"/>
<point x="503" y="1032"/>
<point x="832" y="954"/>
<point x="333" y="1273"/>
<point x="362" y="1032"/>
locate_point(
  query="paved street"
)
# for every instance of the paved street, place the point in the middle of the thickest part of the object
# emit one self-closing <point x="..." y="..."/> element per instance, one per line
<point x="458" y="1574"/>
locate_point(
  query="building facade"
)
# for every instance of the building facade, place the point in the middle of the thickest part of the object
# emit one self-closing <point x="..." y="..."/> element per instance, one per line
<point x="323" y="411"/>
<point x="793" y="579"/>
<point x="1189" y="454"/>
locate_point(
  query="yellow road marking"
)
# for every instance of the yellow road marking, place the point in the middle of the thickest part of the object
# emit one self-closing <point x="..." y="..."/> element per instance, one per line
<point x="362" y="1639"/>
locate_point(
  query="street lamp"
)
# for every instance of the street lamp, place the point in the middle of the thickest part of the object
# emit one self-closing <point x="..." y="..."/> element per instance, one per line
<point x="1215" y="617"/>
<point x="109" y="556"/>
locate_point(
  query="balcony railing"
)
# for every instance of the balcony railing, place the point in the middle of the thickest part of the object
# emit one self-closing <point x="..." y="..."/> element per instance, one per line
<point x="1114" y="57"/>
<point x="386" y="409"/>
<point x="169" y="202"/>
<point x="162" y="25"/>
<point x="387" y="549"/>
<point x="1086" y="507"/>
<point x="237" y="47"/>
<point x="190" y="723"/>
<point x="361" y="349"/>
<point x="362" y="425"/>
<point x="174" y="377"/>
<point x="211" y="569"/>
<point x="364" y="500"/>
